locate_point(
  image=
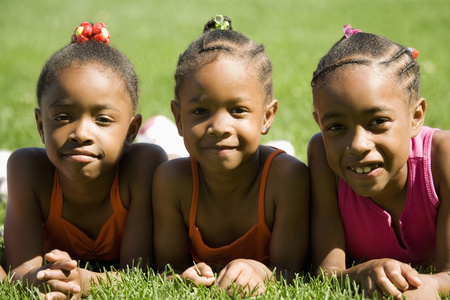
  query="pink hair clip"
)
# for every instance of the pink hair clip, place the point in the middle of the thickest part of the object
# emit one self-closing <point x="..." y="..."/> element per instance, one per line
<point x="349" y="31"/>
<point x="414" y="52"/>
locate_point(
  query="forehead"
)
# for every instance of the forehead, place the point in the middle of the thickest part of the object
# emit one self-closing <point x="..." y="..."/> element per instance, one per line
<point x="86" y="83"/>
<point x="223" y="78"/>
<point x="357" y="86"/>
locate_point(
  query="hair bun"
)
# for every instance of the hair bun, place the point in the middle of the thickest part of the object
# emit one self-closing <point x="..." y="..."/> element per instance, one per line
<point x="91" y="32"/>
<point x="219" y="22"/>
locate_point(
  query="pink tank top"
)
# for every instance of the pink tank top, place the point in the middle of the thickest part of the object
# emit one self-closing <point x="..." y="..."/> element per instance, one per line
<point x="255" y="244"/>
<point x="368" y="230"/>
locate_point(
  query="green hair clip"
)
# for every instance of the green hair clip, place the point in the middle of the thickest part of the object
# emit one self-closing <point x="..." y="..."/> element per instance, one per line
<point x="221" y="23"/>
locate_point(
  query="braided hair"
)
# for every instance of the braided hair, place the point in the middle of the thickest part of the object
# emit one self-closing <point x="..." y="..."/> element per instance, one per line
<point x="372" y="50"/>
<point x="107" y="57"/>
<point x="215" y="43"/>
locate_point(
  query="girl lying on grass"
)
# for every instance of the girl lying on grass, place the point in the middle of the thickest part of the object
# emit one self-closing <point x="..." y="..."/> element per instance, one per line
<point x="380" y="179"/>
<point x="86" y="196"/>
<point x="234" y="206"/>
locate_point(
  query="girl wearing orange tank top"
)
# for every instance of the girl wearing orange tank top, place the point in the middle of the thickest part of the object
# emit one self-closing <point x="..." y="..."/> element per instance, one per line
<point x="235" y="210"/>
<point x="87" y="194"/>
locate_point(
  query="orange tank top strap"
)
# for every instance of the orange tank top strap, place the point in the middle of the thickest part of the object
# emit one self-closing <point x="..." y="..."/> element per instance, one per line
<point x="116" y="200"/>
<point x="262" y="187"/>
<point x="194" y="199"/>
<point x="56" y="201"/>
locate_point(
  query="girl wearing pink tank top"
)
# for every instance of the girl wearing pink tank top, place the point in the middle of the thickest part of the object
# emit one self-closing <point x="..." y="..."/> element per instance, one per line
<point x="380" y="179"/>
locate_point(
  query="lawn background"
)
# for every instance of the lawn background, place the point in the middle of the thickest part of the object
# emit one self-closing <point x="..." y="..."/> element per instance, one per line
<point x="153" y="33"/>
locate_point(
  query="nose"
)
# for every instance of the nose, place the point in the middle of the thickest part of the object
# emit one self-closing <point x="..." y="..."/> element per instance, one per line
<point x="359" y="141"/>
<point x="82" y="132"/>
<point x="220" y="124"/>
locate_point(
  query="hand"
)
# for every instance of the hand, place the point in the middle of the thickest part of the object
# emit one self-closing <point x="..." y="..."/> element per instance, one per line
<point x="201" y="274"/>
<point x="385" y="276"/>
<point x="62" y="275"/>
<point x="427" y="290"/>
<point x="246" y="273"/>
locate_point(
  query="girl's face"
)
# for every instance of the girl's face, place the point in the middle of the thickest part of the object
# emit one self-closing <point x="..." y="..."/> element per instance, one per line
<point x="366" y="123"/>
<point x="85" y="118"/>
<point x="221" y="114"/>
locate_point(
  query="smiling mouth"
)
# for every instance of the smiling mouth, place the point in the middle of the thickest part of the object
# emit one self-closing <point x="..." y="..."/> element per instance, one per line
<point x="365" y="169"/>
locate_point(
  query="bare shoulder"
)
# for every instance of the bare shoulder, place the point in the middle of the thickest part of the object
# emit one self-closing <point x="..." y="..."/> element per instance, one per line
<point x="143" y="153"/>
<point x="31" y="166"/>
<point x="30" y="176"/>
<point x="440" y="164"/>
<point x="288" y="178"/>
<point x="285" y="167"/>
<point x="316" y="148"/>
<point x="172" y="187"/>
<point x="174" y="174"/>
<point x="441" y="142"/>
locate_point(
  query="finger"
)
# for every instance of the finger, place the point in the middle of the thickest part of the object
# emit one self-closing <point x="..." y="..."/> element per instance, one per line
<point x="63" y="287"/>
<point x="53" y="274"/>
<point x="396" y="277"/>
<point x="67" y="265"/>
<point x="54" y="295"/>
<point x="56" y="254"/>
<point x="411" y="275"/>
<point x="227" y="276"/>
<point x="192" y="274"/>
<point x="250" y="284"/>
<point x="385" y="286"/>
<point x="205" y="270"/>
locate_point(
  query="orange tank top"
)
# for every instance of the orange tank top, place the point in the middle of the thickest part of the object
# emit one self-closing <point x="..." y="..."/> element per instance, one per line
<point x="63" y="235"/>
<point x="254" y="244"/>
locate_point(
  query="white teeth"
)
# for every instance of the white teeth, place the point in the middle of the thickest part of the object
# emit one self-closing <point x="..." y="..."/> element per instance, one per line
<point x="361" y="170"/>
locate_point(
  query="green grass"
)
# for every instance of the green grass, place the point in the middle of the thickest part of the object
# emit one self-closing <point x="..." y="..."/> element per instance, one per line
<point x="136" y="284"/>
<point x="153" y="33"/>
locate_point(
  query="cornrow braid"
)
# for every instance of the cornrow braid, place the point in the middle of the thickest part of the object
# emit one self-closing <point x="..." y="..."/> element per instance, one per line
<point x="371" y="49"/>
<point x="215" y="43"/>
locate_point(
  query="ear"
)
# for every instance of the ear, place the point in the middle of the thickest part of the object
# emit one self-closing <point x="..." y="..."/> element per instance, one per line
<point x="176" y="111"/>
<point x="418" y="116"/>
<point x="40" y="126"/>
<point x="269" y="114"/>
<point x="133" y="129"/>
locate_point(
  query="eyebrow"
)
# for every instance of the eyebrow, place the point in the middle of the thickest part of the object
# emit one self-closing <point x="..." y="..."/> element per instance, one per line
<point x="202" y="99"/>
<point x="68" y="103"/>
<point x="370" y="111"/>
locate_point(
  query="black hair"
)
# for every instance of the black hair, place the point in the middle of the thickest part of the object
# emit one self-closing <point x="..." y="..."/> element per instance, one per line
<point x="214" y="43"/>
<point x="371" y="49"/>
<point x="78" y="54"/>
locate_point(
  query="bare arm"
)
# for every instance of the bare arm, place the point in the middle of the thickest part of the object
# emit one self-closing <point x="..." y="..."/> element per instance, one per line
<point x="172" y="183"/>
<point x="290" y="233"/>
<point x="441" y="175"/>
<point x="23" y="221"/>
<point x="327" y="232"/>
<point x="139" y="164"/>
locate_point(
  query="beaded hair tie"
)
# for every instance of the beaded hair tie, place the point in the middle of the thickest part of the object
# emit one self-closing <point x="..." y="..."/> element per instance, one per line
<point x="91" y="32"/>
<point x="349" y="31"/>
